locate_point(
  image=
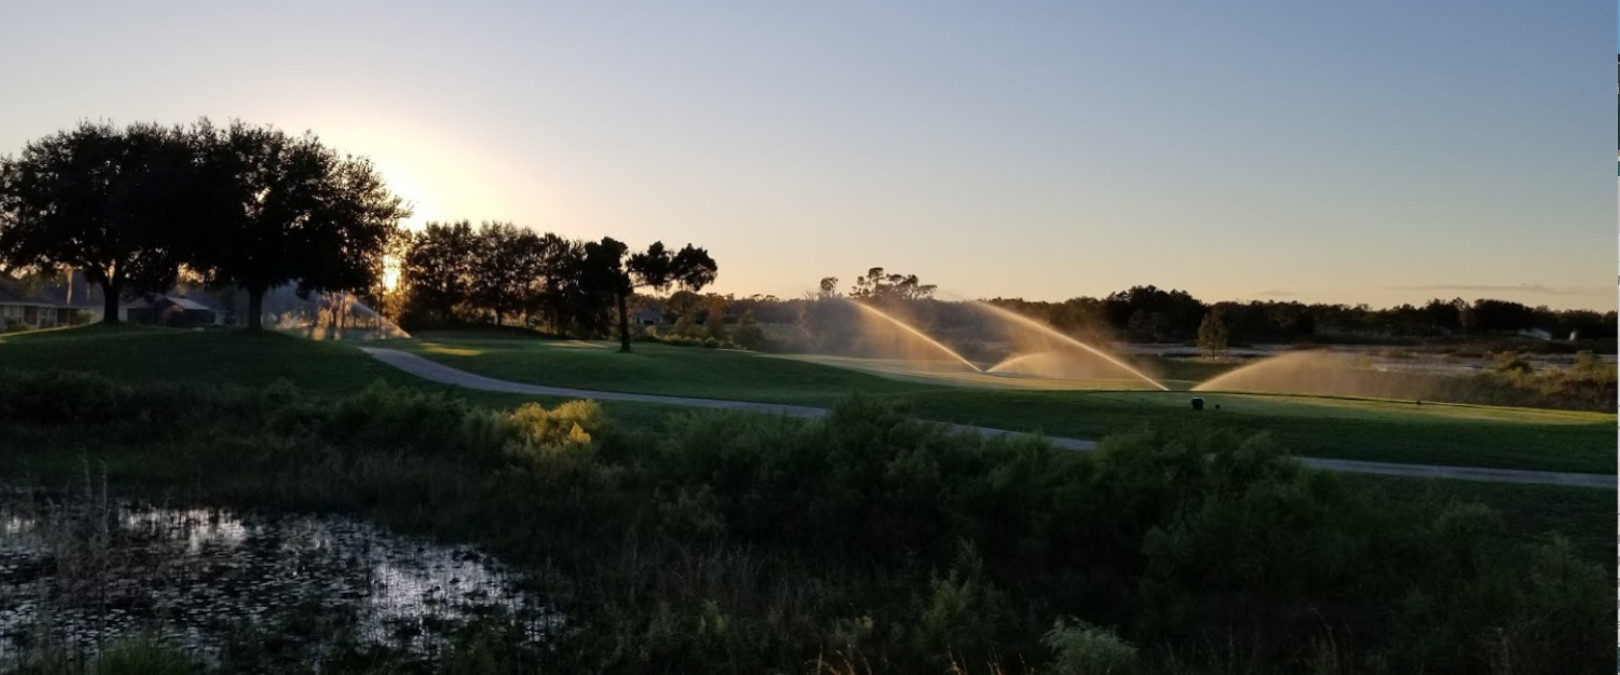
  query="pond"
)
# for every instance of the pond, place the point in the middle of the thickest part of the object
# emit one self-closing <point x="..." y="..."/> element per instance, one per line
<point x="80" y="574"/>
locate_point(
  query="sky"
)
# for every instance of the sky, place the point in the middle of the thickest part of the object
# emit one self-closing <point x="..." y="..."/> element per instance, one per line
<point x="1358" y="152"/>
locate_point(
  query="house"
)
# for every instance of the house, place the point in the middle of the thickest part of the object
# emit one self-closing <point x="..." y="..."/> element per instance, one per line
<point x="182" y="311"/>
<point x="169" y="310"/>
<point x="22" y="307"/>
<point x="647" y="317"/>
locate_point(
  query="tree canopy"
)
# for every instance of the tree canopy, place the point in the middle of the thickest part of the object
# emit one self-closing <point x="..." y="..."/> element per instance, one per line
<point x="288" y="209"/>
<point x="243" y="205"/>
<point x="112" y="202"/>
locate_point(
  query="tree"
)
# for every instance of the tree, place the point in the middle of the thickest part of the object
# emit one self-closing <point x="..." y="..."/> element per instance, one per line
<point x="288" y="209"/>
<point x="1177" y="312"/>
<point x="1212" y="333"/>
<point x="714" y="324"/>
<point x="108" y="201"/>
<point x="749" y="334"/>
<point x="608" y="272"/>
<point x="878" y="285"/>
<point x="680" y="304"/>
<point x="506" y="261"/>
<point x="438" y="269"/>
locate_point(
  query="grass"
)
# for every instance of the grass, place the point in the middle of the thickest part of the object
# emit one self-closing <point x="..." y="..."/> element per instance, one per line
<point x="744" y="543"/>
<point x="1509" y="438"/>
<point x="1393" y="431"/>
<point x="1346" y="428"/>
<point x="1530" y="513"/>
<point x="657" y="369"/>
<point x="136" y="354"/>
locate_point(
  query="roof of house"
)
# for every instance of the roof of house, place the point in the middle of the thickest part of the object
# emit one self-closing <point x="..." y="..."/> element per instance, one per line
<point x="14" y="292"/>
<point x="187" y="303"/>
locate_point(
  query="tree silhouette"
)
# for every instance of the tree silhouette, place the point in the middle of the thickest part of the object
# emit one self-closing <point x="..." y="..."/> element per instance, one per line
<point x="506" y="261"/>
<point x="878" y="285"/>
<point x="1212" y="333"/>
<point x="606" y="271"/>
<point x="438" y="268"/>
<point x="288" y="209"/>
<point x="105" y="200"/>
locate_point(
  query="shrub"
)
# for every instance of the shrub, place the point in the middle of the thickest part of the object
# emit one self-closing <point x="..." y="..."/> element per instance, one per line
<point x="1511" y="362"/>
<point x="748" y="334"/>
<point x="571" y="424"/>
<point x="58" y="397"/>
<point x="1080" y="648"/>
<point x="396" y="417"/>
<point x="141" y="655"/>
<point x="730" y="542"/>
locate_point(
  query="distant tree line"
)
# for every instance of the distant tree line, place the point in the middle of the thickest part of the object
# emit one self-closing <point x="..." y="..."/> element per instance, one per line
<point x="1151" y="314"/>
<point x="499" y="273"/>
<point x="240" y="205"/>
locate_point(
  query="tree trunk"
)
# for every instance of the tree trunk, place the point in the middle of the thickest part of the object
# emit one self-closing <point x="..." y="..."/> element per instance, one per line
<point x="624" y="322"/>
<point x="255" y="317"/>
<point x="109" y="303"/>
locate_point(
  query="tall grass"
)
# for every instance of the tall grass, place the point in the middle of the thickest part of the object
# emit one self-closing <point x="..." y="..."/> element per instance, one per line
<point x="868" y="541"/>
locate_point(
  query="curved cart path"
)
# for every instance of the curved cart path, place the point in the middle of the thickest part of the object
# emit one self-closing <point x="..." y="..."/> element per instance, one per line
<point x="443" y="374"/>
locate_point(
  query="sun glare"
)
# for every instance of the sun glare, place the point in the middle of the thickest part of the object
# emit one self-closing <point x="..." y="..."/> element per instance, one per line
<point x="391" y="273"/>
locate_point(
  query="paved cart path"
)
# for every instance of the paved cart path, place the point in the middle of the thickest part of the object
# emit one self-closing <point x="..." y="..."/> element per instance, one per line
<point x="443" y="374"/>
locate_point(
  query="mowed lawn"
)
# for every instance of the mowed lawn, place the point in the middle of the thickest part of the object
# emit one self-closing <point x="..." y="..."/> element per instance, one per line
<point x="1393" y="431"/>
<point x="150" y="354"/>
<point x="1310" y="426"/>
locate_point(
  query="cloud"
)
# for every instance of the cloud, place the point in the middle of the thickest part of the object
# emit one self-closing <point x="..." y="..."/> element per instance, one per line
<point x="1273" y="293"/>
<point x="1538" y="289"/>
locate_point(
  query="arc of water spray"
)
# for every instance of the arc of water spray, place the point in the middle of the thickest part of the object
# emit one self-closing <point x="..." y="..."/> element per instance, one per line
<point x="918" y="333"/>
<point x="1008" y="314"/>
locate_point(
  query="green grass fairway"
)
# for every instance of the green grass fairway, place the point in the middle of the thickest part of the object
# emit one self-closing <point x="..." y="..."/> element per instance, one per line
<point x="656" y="369"/>
<point x="147" y="354"/>
<point x="1386" y="431"/>
<point x="1393" y="431"/>
<point x="954" y="374"/>
<point x="1381" y="430"/>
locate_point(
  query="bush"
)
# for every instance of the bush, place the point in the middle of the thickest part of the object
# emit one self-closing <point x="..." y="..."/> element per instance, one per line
<point x="1083" y="649"/>
<point x="748" y="334"/>
<point x="1511" y="362"/>
<point x="730" y="542"/>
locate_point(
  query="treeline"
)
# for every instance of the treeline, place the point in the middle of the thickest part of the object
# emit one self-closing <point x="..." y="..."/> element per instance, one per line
<point x="139" y="208"/>
<point x="240" y="205"/>
<point x="452" y="274"/>
<point x="1152" y="314"/>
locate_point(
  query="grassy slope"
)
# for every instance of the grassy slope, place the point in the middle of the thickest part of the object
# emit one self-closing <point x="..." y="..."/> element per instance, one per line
<point x="656" y="369"/>
<point x="1355" y="429"/>
<point x="137" y="354"/>
<point x="1393" y="431"/>
<point x="142" y="353"/>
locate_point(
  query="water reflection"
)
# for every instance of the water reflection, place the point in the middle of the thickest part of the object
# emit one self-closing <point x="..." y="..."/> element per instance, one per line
<point x="84" y="573"/>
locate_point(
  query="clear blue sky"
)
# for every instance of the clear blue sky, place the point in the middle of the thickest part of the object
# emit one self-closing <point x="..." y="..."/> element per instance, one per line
<point x="1373" y="152"/>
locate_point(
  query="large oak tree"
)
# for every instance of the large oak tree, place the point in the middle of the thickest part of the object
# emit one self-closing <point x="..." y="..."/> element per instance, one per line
<point x="112" y="202"/>
<point x="287" y="209"/>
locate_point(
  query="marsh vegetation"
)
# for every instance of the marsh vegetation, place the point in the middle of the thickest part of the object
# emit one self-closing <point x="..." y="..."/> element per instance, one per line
<point x="869" y="541"/>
